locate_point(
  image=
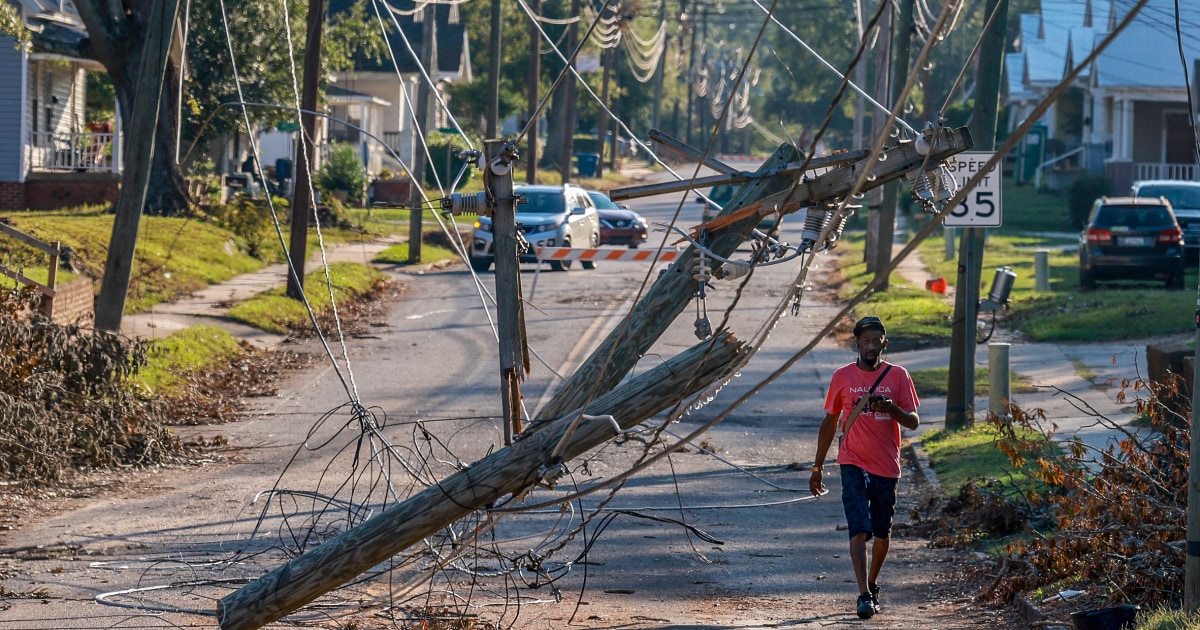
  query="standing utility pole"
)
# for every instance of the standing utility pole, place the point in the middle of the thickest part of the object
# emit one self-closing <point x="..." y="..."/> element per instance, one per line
<point x="602" y="128"/>
<point x="510" y="317"/>
<point x="960" y="395"/>
<point x="860" y="78"/>
<point x="147" y="100"/>
<point x="534" y="83"/>
<point x="901" y="47"/>
<point x="302" y="205"/>
<point x="689" y="126"/>
<point x="656" y="110"/>
<point x="571" y="93"/>
<point x="876" y="244"/>
<point x="493" y="112"/>
<point x="424" y="93"/>
<point x="1191" y="566"/>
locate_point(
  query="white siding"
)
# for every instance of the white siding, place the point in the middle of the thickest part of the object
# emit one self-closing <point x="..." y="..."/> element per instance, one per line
<point x="12" y="107"/>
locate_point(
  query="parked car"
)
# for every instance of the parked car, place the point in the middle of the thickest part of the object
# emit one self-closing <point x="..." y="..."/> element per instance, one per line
<point x="548" y="216"/>
<point x="721" y="195"/>
<point x="1132" y="238"/>
<point x="1185" y="202"/>
<point x="618" y="224"/>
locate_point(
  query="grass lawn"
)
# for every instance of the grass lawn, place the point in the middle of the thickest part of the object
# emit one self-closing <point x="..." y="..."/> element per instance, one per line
<point x="959" y="456"/>
<point x="931" y="383"/>
<point x="173" y="256"/>
<point x="192" y="349"/>
<point x="1030" y="210"/>
<point x="273" y="311"/>
<point x="911" y="313"/>
<point x="398" y="254"/>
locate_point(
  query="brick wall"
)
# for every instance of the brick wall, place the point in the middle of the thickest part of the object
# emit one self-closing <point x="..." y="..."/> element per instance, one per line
<point x="46" y="191"/>
<point x="75" y="301"/>
<point x="12" y="196"/>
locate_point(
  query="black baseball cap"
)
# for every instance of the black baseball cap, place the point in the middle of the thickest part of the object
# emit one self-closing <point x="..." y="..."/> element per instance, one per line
<point x="868" y="322"/>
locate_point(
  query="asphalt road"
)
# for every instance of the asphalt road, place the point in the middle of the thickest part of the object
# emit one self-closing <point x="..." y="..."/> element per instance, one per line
<point x="721" y="534"/>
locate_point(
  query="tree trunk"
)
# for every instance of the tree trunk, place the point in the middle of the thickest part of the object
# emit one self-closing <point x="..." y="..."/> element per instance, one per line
<point x="117" y="41"/>
<point x="167" y="193"/>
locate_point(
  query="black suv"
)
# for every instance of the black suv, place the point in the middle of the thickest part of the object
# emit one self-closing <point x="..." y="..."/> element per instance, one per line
<point x="1131" y="237"/>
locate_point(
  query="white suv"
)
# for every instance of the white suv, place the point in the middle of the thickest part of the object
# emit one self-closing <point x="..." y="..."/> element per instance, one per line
<point x="548" y="216"/>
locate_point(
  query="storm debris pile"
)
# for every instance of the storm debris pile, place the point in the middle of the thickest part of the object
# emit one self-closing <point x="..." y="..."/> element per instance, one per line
<point x="66" y="401"/>
<point x="1111" y="522"/>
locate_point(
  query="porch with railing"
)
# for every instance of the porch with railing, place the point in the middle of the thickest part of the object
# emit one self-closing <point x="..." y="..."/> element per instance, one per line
<point x="1154" y="170"/>
<point x="81" y="151"/>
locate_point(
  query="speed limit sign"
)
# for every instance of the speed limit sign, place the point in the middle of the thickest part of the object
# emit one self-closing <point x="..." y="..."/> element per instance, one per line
<point x="981" y="206"/>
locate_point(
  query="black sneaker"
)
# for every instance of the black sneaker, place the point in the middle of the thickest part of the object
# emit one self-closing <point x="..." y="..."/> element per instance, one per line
<point x="866" y="606"/>
<point x="874" y="590"/>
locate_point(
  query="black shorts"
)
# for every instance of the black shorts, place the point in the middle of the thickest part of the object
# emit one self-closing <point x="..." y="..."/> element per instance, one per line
<point x="869" y="501"/>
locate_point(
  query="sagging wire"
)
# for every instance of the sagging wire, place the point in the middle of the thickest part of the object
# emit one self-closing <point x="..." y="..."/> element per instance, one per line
<point x="828" y="65"/>
<point x="347" y="380"/>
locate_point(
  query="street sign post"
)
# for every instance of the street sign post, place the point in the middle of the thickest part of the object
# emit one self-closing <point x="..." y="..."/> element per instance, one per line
<point x="982" y="206"/>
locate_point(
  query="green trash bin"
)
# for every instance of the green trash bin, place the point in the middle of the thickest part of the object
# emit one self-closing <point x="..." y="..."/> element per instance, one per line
<point x="586" y="163"/>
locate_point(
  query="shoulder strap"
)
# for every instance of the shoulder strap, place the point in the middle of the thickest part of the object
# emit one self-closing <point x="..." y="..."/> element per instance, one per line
<point x="862" y="402"/>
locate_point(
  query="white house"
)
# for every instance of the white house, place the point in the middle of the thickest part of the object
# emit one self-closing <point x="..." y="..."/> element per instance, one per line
<point x="54" y="156"/>
<point x="394" y="79"/>
<point x="1126" y="114"/>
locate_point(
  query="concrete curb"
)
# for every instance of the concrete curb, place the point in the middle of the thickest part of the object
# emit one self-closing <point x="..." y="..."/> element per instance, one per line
<point x="916" y="453"/>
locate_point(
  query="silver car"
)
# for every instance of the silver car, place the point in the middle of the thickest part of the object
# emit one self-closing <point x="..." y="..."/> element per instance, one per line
<point x="548" y="216"/>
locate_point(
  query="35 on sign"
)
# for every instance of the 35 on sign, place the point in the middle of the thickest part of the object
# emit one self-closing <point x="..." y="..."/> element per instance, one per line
<point x="982" y="205"/>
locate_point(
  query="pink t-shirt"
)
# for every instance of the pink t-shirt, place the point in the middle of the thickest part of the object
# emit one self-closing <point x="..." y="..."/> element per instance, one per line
<point x="874" y="440"/>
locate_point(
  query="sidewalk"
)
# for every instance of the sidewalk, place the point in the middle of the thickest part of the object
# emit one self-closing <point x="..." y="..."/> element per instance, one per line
<point x="210" y="306"/>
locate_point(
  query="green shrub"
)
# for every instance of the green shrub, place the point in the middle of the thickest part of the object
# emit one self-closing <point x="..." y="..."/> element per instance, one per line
<point x="250" y="219"/>
<point x="443" y="150"/>
<point x="1081" y="194"/>
<point x="343" y="172"/>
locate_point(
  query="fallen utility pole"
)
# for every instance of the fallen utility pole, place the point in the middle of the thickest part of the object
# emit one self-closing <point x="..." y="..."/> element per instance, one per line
<point x="537" y="455"/>
<point x="770" y="193"/>
<point x="651" y="316"/>
<point x="509" y="471"/>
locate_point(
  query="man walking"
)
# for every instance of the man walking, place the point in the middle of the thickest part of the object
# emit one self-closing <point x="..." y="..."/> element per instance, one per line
<point x="872" y="399"/>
